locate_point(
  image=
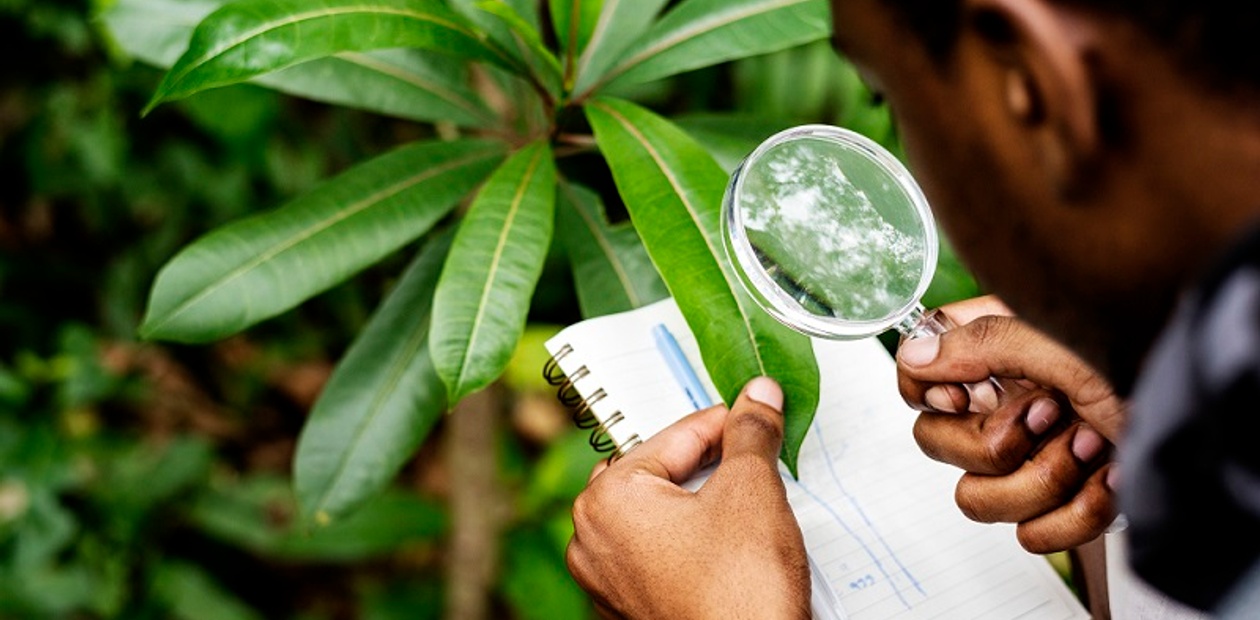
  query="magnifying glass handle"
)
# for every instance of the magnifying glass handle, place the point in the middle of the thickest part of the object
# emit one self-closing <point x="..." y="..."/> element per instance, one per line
<point x="934" y="323"/>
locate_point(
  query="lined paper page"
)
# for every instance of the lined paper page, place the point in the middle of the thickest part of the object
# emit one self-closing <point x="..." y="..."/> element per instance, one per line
<point x="878" y="516"/>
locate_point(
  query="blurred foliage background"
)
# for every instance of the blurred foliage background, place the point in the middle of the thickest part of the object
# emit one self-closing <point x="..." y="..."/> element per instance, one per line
<point x="143" y="480"/>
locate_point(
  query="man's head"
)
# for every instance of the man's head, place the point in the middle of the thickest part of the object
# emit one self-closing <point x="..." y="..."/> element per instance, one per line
<point x="1086" y="159"/>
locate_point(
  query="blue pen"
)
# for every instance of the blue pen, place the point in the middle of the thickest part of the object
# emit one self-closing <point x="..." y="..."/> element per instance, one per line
<point x="681" y="370"/>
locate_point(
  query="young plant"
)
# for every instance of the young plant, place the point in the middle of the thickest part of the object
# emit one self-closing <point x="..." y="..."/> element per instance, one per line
<point x="513" y="86"/>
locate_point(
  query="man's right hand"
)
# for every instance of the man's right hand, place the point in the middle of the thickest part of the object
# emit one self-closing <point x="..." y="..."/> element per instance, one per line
<point x="1040" y="459"/>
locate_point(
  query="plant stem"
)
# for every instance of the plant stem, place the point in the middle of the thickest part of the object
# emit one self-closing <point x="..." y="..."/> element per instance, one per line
<point x="477" y="504"/>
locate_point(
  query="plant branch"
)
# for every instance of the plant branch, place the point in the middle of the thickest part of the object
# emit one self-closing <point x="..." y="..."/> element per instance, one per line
<point x="476" y="501"/>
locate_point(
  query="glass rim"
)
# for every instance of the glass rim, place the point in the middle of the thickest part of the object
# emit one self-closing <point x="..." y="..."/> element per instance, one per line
<point x="773" y="299"/>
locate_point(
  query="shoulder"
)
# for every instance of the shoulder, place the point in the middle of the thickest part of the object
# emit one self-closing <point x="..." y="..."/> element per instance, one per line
<point x="1191" y="487"/>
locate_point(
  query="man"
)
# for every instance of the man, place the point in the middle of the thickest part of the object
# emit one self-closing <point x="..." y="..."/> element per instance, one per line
<point x="1095" y="164"/>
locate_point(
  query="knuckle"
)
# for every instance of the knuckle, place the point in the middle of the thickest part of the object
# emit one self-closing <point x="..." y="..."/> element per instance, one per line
<point x="1035" y="540"/>
<point x="758" y="423"/>
<point x="575" y="560"/>
<point x="924" y="437"/>
<point x="1092" y="391"/>
<point x="989" y="330"/>
<point x="1050" y="483"/>
<point x="571" y="556"/>
<point x="583" y="509"/>
<point x="579" y="511"/>
<point x="999" y="457"/>
<point x="1093" y="512"/>
<point x="973" y="505"/>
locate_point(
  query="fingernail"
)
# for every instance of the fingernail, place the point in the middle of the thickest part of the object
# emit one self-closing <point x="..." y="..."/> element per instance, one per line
<point x="1113" y="478"/>
<point x="938" y="398"/>
<point x="765" y="391"/>
<point x="984" y="396"/>
<point x="1087" y="444"/>
<point x="1042" y="414"/>
<point x="920" y="351"/>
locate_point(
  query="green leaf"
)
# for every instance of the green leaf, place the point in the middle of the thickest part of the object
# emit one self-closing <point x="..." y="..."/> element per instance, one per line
<point x="611" y="269"/>
<point x="192" y="594"/>
<point x="380" y="403"/>
<point x="45" y="530"/>
<point x="673" y="190"/>
<point x="409" y="84"/>
<point x="484" y="294"/>
<point x="156" y="31"/>
<point x="527" y="10"/>
<point x="729" y="138"/>
<point x="542" y="64"/>
<point x="535" y="581"/>
<point x="256" y="513"/>
<point x="620" y="23"/>
<point x="402" y="83"/>
<point x="700" y="33"/>
<point x="264" y="265"/>
<point x="574" y="22"/>
<point x="560" y="474"/>
<point x="500" y="36"/>
<point x="244" y="40"/>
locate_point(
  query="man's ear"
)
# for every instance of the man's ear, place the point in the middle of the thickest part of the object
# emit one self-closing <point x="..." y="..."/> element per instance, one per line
<point x="1046" y="83"/>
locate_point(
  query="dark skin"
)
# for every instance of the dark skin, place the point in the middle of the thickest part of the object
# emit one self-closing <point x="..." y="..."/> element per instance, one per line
<point x="1084" y="178"/>
<point x="1031" y="460"/>
<point x="1050" y="162"/>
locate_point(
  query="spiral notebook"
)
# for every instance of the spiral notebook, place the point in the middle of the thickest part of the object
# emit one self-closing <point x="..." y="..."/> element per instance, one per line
<point x="881" y="528"/>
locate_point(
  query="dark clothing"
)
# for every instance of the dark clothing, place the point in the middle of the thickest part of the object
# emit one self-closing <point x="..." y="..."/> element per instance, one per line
<point x="1190" y="463"/>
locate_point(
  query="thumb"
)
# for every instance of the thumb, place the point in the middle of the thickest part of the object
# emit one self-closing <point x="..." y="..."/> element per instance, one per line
<point x="1009" y="348"/>
<point x="754" y="426"/>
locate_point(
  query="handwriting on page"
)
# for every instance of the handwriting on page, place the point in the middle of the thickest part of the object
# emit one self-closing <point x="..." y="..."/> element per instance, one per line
<point x="879" y="518"/>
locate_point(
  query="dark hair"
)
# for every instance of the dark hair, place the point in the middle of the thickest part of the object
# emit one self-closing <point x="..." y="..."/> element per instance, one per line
<point x="1213" y="40"/>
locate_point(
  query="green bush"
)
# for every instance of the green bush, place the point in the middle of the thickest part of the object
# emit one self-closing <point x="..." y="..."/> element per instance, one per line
<point x="511" y="92"/>
<point x="522" y="171"/>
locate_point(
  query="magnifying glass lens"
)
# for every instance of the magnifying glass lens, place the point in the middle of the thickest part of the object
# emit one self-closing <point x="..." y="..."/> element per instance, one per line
<point x="829" y="232"/>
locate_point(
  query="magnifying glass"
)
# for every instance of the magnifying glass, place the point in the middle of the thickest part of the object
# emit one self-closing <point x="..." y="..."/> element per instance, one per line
<point x="832" y="236"/>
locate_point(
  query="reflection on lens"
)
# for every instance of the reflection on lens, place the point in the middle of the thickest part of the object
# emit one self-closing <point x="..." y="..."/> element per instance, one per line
<point x="833" y="230"/>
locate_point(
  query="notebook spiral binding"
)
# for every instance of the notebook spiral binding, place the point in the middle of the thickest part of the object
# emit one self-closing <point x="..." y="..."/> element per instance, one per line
<point x="581" y="408"/>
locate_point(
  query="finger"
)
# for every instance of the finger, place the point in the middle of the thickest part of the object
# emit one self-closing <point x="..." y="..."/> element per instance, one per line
<point x="968" y="310"/>
<point x="992" y="444"/>
<point x="751" y="444"/>
<point x="1005" y="347"/>
<point x="754" y="428"/>
<point x="1041" y="485"/>
<point x="597" y="470"/>
<point x="934" y="397"/>
<point x="1086" y="517"/>
<point x="950" y="398"/>
<point x="681" y="449"/>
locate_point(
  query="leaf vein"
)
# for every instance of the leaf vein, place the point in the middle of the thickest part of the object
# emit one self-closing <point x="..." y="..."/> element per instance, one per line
<point x="296" y="18"/>
<point x="606" y="246"/>
<point x="492" y="273"/>
<point x="313" y="230"/>
<point x="696" y="29"/>
<point x="601" y="27"/>
<point x="695" y="218"/>
<point x="398" y="367"/>
<point x="412" y="78"/>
